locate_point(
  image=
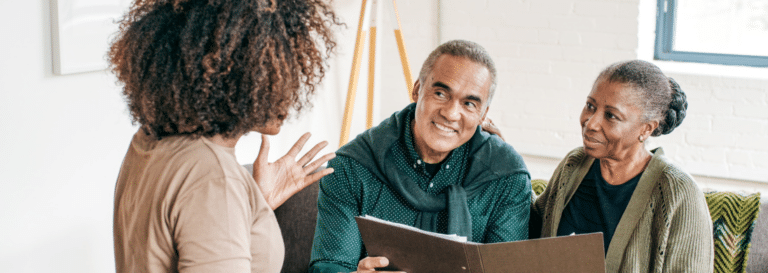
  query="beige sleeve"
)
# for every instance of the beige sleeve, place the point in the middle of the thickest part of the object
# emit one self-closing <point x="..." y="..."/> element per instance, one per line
<point x="212" y="221"/>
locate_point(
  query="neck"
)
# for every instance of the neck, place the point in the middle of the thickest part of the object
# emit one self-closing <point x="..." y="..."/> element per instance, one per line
<point x="226" y="142"/>
<point x="619" y="170"/>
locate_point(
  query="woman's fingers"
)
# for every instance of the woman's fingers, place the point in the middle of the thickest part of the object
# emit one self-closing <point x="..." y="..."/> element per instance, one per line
<point x="311" y="167"/>
<point x="299" y="144"/>
<point x="488" y="126"/>
<point x="312" y="178"/>
<point x="311" y="154"/>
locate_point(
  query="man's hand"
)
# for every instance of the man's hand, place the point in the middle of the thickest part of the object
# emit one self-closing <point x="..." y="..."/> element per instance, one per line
<point x="285" y="177"/>
<point x="488" y="126"/>
<point x="369" y="265"/>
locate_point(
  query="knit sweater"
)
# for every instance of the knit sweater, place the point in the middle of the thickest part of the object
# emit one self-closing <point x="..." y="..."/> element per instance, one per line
<point x="665" y="228"/>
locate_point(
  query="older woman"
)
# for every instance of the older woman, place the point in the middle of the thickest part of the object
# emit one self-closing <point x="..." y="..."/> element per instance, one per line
<point x="198" y="75"/>
<point x="652" y="215"/>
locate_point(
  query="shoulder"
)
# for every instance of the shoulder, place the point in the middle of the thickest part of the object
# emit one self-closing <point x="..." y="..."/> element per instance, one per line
<point x="515" y="183"/>
<point x="679" y="183"/>
<point x="575" y="157"/>
<point x="347" y="171"/>
<point x="492" y="158"/>
<point x="203" y="164"/>
<point x="345" y="163"/>
<point x="573" y="160"/>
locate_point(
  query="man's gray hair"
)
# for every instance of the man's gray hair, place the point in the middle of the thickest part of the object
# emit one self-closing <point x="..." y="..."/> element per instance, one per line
<point x="461" y="48"/>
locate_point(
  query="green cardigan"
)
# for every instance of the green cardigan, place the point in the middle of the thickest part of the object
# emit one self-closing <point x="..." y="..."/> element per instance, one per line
<point x="665" y="228"/>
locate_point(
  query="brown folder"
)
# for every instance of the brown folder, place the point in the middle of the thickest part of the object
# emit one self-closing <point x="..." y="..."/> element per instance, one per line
<point x="414" y="251"/>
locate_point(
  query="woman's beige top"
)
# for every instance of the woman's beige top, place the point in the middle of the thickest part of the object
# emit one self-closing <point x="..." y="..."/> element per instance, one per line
<point x="186" y="205"/>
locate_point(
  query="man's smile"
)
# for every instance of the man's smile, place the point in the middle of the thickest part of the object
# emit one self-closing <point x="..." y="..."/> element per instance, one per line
<point x="444" y="128"/>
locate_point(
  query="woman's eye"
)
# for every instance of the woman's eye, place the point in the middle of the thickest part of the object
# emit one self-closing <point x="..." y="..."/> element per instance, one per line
<point x="590" y="106"/>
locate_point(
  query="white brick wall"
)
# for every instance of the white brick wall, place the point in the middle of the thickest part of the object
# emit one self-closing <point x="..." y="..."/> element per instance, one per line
<point x="548" y="54"/>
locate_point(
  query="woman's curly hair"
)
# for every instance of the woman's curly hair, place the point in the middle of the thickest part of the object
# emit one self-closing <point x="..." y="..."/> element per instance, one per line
<point x="208" y="67"/>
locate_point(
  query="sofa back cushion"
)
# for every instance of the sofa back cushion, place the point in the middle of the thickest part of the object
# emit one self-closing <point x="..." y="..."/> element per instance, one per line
<point x="733" y="220"/>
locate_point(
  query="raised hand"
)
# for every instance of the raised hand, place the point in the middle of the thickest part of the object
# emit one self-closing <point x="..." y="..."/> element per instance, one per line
<point x="285" y="177"/>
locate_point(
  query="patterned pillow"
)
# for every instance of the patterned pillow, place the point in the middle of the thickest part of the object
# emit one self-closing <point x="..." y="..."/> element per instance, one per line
<point x="733" y="219"/>
<point x="538" y="186"/>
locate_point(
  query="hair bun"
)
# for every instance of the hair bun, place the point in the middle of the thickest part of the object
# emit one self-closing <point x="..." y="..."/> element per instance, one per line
<point x="676" y="112"/>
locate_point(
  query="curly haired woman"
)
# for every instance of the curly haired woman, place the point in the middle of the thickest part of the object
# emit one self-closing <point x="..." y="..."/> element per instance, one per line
<point x="198" y="75"/>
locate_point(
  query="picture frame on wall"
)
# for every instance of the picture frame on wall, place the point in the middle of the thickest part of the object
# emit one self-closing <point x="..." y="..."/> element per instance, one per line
<point x="81" y="31"/>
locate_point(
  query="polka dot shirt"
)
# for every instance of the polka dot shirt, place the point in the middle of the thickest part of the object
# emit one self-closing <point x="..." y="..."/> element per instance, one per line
<point x="499" y="214"/>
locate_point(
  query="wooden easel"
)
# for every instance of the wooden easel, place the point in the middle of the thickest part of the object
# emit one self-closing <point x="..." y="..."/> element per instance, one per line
<point x="357" y="60"/>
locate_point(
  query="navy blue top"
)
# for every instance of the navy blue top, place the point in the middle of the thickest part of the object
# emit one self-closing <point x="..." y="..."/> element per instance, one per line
<point x="596" y="206"/>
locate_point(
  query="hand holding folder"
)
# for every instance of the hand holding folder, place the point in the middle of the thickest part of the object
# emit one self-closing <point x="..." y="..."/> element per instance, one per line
<point x="412" y="250"/>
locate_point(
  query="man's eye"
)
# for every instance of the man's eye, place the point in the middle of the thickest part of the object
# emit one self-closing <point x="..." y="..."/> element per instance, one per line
<point x="470" y="104"/>
<point x="439" y="94"/>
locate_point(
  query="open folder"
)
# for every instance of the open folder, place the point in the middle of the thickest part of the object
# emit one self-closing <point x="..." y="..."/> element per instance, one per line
<point x="414" y="251"/>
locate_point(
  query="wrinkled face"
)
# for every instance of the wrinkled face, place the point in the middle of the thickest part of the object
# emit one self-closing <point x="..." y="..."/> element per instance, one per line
<point x="611" y="123"/>
<point x="450" y="104"/>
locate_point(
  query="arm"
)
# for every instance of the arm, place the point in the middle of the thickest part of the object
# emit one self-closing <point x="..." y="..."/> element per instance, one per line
<point x="690" y="245"/>
<point x="337" y="245"/>
<point x="509" y="220"/>
<point x="211" y="226"/>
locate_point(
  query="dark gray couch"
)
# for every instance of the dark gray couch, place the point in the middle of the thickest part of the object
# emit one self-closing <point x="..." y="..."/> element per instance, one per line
<point x="757" y="260"/>
<point x="297" y="218"/>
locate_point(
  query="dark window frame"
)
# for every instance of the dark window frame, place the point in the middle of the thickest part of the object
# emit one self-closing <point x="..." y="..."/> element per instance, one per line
<point x="665" y="22"/>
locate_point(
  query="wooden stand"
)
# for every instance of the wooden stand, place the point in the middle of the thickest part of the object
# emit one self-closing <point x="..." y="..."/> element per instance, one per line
<point x="357" y="62"/>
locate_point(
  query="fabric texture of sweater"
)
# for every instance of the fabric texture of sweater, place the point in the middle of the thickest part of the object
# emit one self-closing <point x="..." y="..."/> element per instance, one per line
<point x="665" y="228"/>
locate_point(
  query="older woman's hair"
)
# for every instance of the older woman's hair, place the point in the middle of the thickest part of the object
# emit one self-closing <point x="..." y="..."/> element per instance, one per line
<point x="659" y="96"/>
<point x="461" y="48"/>
<point x="208" y="67"/>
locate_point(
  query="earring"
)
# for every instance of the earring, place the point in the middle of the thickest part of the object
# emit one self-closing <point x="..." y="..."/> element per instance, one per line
<point x="641" y="139"/>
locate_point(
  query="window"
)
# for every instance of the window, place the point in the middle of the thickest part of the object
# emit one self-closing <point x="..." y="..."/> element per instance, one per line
<point x="730" y="32"/>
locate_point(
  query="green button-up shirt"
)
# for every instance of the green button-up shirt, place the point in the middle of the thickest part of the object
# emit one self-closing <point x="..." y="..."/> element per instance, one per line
<point x="499" y="214"/>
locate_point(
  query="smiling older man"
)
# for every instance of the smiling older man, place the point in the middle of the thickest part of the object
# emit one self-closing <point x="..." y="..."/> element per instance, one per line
<point x="428" y="165"/>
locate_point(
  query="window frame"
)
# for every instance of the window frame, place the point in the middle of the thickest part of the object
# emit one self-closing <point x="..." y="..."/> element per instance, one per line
<point x="665" y="22"/>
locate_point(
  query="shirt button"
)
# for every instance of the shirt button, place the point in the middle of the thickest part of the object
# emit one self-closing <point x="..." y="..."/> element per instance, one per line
<point x="447" y="166"/>
<point x="431" y="184"/>
<point x="414" y="166"/>
<point x="418" y="161"/>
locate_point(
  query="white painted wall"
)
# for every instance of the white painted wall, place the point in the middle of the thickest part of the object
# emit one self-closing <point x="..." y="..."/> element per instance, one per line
<point x="64" y="137"/>
<point x="548" y="54"/>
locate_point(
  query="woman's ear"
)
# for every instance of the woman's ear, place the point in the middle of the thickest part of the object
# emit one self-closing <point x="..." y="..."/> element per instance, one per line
<point x="648" y="128"/>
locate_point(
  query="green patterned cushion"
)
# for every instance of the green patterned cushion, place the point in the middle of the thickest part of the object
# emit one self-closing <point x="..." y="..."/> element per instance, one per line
<point x="733" y="219"/>
<point x="538" y="186"/>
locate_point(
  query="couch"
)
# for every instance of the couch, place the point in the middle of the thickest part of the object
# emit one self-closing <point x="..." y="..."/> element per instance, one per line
<point x="297" y="218"/>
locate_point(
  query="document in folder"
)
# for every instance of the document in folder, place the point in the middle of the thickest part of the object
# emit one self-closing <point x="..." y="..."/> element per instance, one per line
<point x="413" y="250"/>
